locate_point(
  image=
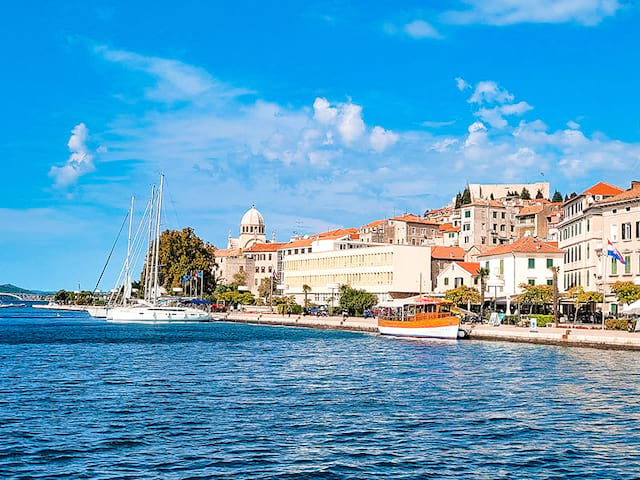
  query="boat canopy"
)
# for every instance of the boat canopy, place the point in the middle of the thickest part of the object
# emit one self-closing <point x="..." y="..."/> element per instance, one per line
<point x="418" y="300"/>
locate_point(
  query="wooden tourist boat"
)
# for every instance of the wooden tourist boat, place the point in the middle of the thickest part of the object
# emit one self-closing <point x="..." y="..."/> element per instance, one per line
<point x="423" y="317"/>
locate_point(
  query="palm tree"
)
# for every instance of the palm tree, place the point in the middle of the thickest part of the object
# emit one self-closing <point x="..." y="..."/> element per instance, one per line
<point x="306" y="289"/>
<point x="483" y="272"/>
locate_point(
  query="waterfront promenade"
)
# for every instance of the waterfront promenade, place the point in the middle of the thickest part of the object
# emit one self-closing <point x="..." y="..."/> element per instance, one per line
<point x="573" y="337"/>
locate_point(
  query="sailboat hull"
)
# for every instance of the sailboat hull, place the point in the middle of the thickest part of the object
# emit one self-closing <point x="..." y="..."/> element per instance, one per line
<point x="157" y="315"/>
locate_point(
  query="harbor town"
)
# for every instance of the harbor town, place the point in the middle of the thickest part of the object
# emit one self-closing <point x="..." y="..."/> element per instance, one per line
<point x="556" y="267"/>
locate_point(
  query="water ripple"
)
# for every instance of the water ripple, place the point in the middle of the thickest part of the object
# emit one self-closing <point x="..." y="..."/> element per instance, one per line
<point x="86" y="399"/>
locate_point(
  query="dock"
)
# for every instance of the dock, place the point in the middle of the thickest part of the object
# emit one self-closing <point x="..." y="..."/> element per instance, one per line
<point x="565" y="336"/>
<point x="354" y="324"/>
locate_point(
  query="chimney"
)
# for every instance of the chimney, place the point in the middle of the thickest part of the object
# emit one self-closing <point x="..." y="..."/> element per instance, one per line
<point x="635" y="184"/>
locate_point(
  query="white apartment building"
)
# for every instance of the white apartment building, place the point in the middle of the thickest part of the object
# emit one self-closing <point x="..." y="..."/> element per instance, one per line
<point x="458" y="274"/>
<point x="388" y="271"/>
<point x="581" y="233"/>
<point x="526" y="261"/>
<point x="486" y="223"/>
<point x="620" y="225"/>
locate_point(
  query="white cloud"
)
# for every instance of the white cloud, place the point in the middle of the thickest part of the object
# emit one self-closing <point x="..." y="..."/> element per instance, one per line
<point x="433" y="124"/>
<point x="443" y="145"/>
<point x="382" y="139"/>
<point x="462" y="84"/>
<point x="350" y="123"/>
<point x="573" y="125"/>
<point x="490" y="92"/>
<point x="509" y="12"/>
<point x="79" y="162"/>
<point x="323" y="112"/>
<point x="495" y="116"/>
<point x="176" y="81"/>
<point x="419" y="29"/>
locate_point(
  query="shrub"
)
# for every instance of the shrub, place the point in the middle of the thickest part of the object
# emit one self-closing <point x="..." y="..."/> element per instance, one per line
<point x="615" y="324"/>
<point x="543" y="320"/>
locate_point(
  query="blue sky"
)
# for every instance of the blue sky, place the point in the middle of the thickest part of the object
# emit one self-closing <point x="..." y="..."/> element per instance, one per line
<point x="325" y="114"/>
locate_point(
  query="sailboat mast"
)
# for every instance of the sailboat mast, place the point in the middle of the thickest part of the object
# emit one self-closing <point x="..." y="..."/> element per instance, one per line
<point x="149" y="259"/>
<point x="126" y="294"/>
<point x="157" y="246"/>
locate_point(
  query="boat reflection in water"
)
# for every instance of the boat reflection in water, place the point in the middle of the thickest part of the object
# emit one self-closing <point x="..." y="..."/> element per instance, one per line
<point x="423" y="317"/>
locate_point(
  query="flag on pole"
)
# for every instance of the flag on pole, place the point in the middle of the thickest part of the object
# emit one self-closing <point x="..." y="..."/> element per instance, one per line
<point x="199" y="274"/>
<point x="276" y="275"/>
<point x="615" y="253"/>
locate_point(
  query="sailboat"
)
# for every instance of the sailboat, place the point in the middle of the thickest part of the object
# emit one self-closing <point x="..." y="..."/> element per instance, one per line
<point x="150" y="310"/>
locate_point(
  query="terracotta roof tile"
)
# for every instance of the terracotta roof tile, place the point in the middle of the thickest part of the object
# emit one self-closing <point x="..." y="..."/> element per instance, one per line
<point x="373" y="224"/>
<point x="447" y="253"/>
<point x="264" y="247"/>
<point x="471" y="267"/>
<point x="414" y="218"/>
<point x="633" y="192"/>
<point x="603" y="188"/>
<point x="523" y="245"/>
<point x="228" y="252"/>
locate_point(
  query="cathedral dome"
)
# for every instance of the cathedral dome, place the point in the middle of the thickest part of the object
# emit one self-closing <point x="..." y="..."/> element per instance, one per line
<point x="252" y="218"/>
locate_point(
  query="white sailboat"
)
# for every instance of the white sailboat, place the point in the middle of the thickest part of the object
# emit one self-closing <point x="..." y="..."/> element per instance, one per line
<point x="151" y="310"/>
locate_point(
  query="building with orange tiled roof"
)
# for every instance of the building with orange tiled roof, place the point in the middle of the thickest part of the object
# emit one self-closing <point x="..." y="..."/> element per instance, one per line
<point x="525" y="261"/>
<point x="458" y="274"/>
<point x="538" y="219"/>
<point x="406" y="229"/>
<point x="441" y="258"/>
<point x="582" y="231"/>
<point x="621" y="226"/>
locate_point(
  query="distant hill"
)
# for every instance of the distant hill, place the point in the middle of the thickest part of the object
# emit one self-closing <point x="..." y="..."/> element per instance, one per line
<point x="9" y="288"/>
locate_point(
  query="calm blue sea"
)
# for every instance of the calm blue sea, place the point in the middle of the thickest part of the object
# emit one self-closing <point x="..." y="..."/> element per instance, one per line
<point x="81" y="398"/>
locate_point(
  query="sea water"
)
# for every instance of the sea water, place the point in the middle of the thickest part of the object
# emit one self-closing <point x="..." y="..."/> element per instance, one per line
<point x="82" y="398"/>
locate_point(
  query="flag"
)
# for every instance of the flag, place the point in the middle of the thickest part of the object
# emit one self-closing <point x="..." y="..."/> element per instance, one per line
<point x="199" y="273"/>
<point x="615" y="253"/>
<point x="276" y="275"/>
<point x="184" y="279"/>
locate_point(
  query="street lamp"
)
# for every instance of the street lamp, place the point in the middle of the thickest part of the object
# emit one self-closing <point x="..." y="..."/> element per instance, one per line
<point x="332" y="287"/>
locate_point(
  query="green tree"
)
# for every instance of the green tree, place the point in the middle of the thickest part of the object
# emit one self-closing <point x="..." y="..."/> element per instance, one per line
<point x="239" y="278"/>
<point x="354" y="301"/>
<point x="581" y="297"/>
<point x="182" y="253"/>
<point x="466" y="197"/>
<point x="62" y="297"/>
<point x="539" y="195"/>
<point x="306" y="289"/>
<point x="525" y="195"/>
<point x="458" y="202"/>
<point x="626" y="292"/>
<point x="535" y="295"/>
<point x="557" y="197"/>
<point x="483" y="273"/>
<point x="265" y="288"/>
<point x="464" y="295"/>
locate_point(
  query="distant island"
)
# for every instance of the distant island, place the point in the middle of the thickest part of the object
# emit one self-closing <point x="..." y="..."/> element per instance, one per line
<point x="9" y="288"/>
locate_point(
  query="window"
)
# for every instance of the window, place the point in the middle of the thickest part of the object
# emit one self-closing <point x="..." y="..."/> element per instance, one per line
<point x="502" y="215"/>
<point x="446" y="281"/>
<point x="549" y="282"/>
<point x="501" y="266"/>
<point x="466" y="227"/>
<point x="467" y="213"/>
<point x="549" y="262"/>
<point x="495" y="214"/>
<point x="531" y="281"/>
<point x="532" y="263"/>
<point x="257" y="269"/>
<point x="627" y="265"/>
<point x="458" y="282"/>
<point x="637" y="229"/>
<point x="614" y="233"/>
<point x="626" y="231"/>
<point x="614" y="266"/>
<point x="495" y="240"/>
<point x="486" y="265"/>
<point x="495" y="227"/>
<point x="502" y="228"/>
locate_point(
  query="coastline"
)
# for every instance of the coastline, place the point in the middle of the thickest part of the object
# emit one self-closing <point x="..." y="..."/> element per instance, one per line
<point x="562" y="336"/>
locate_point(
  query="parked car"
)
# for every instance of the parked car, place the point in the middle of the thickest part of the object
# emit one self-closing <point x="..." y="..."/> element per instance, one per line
<point x="319" y="311"/>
